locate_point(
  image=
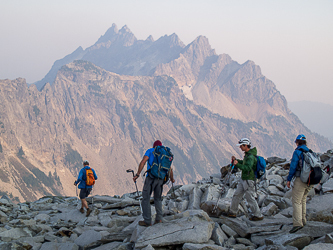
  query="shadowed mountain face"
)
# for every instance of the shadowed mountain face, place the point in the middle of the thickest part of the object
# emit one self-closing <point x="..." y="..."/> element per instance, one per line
<point x="109" y="119"/>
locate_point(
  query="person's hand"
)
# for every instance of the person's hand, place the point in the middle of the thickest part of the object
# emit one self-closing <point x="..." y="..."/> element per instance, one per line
<point x="288" y="184"/>
<point x="172" y="180"/>
<point x="235" y="162"/>
<point x="136" y="177"/>
<point x="75" y="183"/>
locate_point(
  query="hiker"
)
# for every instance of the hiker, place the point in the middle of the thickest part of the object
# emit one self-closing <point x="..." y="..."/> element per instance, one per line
<point x="152" y="184"/>
<point x="300" y="189"/>
<point x="246" y="186"/>
<point x="85" y="189"/>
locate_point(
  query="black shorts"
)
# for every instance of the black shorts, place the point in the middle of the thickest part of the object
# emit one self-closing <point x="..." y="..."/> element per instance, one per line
<point x="84" y="192"/>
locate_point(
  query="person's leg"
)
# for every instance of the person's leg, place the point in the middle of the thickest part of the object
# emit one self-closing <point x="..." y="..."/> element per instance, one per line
<point x="84" y="203"/>
<point x="83" y="195"/>
<point x="297" y="197"/>
<point x="249" y="196"/>
<point x="238" y="195"/>
<point x="145" y="204"/>
<point x="158" y="189"/>
<point x="306" y="192"/>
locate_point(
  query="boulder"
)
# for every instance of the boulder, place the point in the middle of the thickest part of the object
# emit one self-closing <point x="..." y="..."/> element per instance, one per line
<point x="59" y="246"/>
<point x="319" y="246"/>
<point x="88" y="238"/>
<point x="191" y="246"/>
<point x="320" y="208"/>
<point x="296" y="240"/>
<point x="218" y="236"/>
<point x="196" y="228"/>
<point x="270" y="209"/>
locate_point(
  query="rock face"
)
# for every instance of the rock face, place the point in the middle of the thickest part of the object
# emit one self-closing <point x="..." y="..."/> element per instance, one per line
<point x="54" y="222"/>
<point x="90" y="113"/>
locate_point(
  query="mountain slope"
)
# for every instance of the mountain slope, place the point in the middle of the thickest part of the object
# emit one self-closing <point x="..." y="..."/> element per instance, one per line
<point x="109" y="119"/>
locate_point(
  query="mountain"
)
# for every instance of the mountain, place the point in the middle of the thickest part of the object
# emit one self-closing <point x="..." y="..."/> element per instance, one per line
<point x="110" y="119"/>
<point x="315" y="115"/>
<point x="119" y="51"/>
<point x="122" y="94"/>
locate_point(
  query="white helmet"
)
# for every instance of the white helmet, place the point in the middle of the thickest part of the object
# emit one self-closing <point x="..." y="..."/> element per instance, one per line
<point x="244" y="141"/>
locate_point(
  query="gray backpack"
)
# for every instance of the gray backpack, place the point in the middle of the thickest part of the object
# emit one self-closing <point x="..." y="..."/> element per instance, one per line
<point x="311" y="172"/>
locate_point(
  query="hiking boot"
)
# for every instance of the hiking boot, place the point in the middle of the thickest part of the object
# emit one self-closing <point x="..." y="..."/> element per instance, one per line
<point x="158" y="221"/>
<point x="295" y="229"/>
<point x="143" y="223"/>
<point x="88" y="212"/>
<point x="255" y="218"/>
<point x="229" y="214"/>
<point x="82" y="210"/>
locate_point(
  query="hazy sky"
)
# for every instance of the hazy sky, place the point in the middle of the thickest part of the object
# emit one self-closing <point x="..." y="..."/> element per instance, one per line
<point x="292" y="41"/>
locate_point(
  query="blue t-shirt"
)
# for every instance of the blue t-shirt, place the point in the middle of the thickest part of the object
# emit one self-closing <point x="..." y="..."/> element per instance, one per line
<point x="150" y="154"/>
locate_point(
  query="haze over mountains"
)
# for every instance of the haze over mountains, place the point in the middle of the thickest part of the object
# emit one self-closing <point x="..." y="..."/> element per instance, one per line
<point x="315" y="115"/>
<point x="109" y="102"/>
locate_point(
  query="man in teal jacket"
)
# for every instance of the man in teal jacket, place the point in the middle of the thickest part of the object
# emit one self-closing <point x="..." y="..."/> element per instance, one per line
<point x="246" y="185"/>
<point x="84" y="189"/>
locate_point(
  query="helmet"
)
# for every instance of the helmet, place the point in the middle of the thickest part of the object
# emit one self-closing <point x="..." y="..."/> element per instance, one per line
<point x="244" y="141"/>
<point x="85" y="163"/>
<point x="301" y="137"/>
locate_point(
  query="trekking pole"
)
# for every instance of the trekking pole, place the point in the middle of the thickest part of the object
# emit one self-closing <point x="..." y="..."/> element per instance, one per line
<point x="137" y="190"/>
<point x="173" y="191"/>
<point x="92" y="198"/>
<point x="222" y="191"/>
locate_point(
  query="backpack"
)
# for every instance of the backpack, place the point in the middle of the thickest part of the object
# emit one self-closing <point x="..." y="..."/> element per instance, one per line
<point x="260" y="168"/>
<point x="311" y="172"/>
<point x="90" y="178"/>
<point x="162" y="163"/>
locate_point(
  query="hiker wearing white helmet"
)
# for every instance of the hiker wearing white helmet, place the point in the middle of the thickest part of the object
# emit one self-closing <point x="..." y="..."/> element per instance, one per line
<point x="246" y="186"/>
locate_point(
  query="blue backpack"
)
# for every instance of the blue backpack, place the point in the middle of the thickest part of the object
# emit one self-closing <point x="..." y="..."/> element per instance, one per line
<point x="261" y="167"/>
<point x="162" y="162"/>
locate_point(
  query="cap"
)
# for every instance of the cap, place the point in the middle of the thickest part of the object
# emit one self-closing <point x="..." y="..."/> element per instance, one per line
<point x="244" y="141"/>
<point x="85" y="163"/>
<point x="157" y="143"/>
<point x="300" y="137"/>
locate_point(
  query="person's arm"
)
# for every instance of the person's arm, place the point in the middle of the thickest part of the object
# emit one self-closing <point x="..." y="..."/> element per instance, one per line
<point x="95" y="176"/>
<point x="245" y="165"/>
<point x="79" y="178"/>
<point x="141" y="166"/>
<point x="293" y="167"/>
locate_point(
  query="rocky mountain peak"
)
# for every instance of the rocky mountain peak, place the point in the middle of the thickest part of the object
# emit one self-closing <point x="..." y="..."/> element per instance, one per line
<point x="150" y="39"/>
<point x="109" y="34"/>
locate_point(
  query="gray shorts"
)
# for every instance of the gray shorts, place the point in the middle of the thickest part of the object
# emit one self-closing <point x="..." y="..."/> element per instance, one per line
<point x="84" y="192"/>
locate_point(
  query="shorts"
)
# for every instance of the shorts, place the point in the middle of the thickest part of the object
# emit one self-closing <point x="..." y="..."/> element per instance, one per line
<point x="84" y="192"/>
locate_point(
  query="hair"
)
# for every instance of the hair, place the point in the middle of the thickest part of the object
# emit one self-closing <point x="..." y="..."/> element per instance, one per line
<point x="249" y="146"/>
<point x="301" y="142"/>
<point x="157" y="143"/>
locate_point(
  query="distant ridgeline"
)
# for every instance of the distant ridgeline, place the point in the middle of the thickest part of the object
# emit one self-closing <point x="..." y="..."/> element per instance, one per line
<point x="122" y="94"/>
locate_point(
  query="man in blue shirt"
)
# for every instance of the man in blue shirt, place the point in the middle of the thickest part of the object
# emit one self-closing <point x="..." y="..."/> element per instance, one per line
<point x="151" y="184"/>
<point x="300" y="189"/>
<point x="85" y="190"/>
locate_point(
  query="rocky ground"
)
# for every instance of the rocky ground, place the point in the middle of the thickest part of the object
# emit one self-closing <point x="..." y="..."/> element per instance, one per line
<point x="190" y="220"/>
